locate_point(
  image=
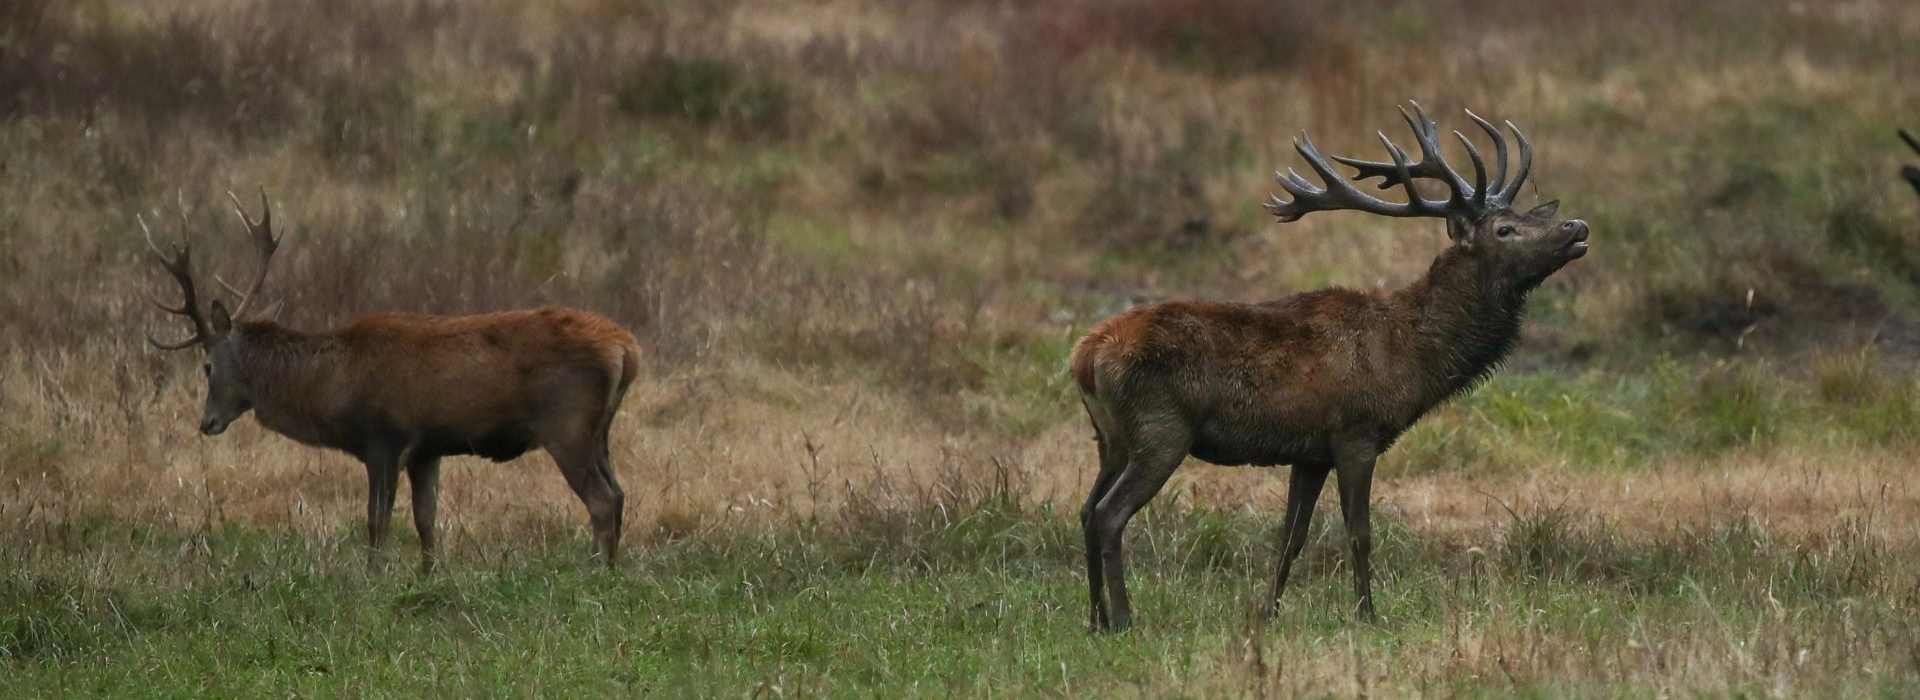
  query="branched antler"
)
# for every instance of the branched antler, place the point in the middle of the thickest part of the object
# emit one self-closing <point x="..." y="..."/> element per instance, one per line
<point x="1476" y="199"/>
<point x="264" y="242"/>
<point x="180" y="266"/>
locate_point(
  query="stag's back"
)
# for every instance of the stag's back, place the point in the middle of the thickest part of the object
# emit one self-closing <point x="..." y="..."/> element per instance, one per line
<point x="1308" y="360"/>
<point x="475" y="374"/>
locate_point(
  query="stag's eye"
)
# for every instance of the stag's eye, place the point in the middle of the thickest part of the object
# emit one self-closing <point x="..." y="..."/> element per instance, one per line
<point x="207" y="369"/>
<point x="1504" y="231"/>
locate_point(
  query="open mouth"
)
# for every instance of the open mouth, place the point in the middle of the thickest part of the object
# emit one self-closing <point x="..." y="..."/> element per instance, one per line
<point x="1577" y="246"/>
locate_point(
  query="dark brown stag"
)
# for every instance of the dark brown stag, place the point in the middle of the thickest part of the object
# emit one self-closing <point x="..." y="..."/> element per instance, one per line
<point x="403" y="390"/>
<point x="1324" y="381"/>
<point x="1911" y="172"/>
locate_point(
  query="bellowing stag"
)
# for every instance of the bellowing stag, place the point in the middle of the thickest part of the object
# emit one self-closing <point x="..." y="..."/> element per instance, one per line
<point x="1324" y="381"/>
<point x="403" y="390"/>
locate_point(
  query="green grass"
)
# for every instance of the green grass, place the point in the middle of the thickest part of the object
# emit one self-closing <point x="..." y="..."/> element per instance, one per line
<point x="1609" y="420"/>
<point x="982" y="599"/>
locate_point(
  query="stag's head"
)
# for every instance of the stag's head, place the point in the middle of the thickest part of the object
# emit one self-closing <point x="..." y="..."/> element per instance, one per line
<point x="1522" y="247"/>
<point x="228" y="394"/>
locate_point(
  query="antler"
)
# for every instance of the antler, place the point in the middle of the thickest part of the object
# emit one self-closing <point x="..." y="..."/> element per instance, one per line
<point x="181" y="267"/>
<point x="261" y="233"/>
<point x="1476" y="199"/>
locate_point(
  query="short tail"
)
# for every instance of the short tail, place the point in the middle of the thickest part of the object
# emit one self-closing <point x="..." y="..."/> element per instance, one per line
<point x="629" y="350"/>
<point x="1082" y="364"/>
<point x="629" y="363"/>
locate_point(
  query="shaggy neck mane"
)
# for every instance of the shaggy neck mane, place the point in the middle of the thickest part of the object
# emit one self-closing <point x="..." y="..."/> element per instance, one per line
<point x="287" y="373"/>
<point x="1468" y="319"/>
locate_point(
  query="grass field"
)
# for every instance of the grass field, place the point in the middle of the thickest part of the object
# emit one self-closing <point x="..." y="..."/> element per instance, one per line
<point x="857" y="240"/>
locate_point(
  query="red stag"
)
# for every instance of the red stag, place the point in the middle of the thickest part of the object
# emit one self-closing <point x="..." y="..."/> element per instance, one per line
<point x="403" y="390"/>
<point x="1324" y="381"/>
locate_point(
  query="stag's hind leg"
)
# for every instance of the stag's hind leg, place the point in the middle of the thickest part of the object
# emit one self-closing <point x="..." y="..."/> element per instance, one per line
<point x="1303" y="491"/>
<point x="383" y="479"/>
<point x="584" y="464"/>
<point x="1113" y="460"/>
<point x="577" y="440"/>
<point x="423" y="476"/>
<point x="603" y="465"/>
<point x="1155" y="453"/>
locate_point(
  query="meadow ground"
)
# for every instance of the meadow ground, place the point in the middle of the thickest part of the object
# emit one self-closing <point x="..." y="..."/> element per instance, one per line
<point x="857" y="240"/>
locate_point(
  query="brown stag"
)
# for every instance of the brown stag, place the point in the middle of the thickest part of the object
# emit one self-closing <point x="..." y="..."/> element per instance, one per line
<point x="1323" y="381"/>
<point x="1910" y="172"/>
<point x="403" y="390"/>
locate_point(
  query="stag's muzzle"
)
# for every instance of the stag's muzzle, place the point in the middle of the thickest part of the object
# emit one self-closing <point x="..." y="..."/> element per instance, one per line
<point x="1577" y="242"/>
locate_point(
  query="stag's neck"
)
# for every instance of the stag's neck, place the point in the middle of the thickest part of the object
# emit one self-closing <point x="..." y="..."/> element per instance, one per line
<point x="1468" y="318"/>
<point x="294" y="379"/>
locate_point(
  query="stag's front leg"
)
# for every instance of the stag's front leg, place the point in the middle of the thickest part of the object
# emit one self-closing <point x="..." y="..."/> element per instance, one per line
<point x="383" y="479"/>
<point x="1355" y="474"/>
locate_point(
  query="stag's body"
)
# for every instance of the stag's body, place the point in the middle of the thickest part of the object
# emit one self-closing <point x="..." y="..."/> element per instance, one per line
<point x="401" y="391"/>
<point x="1324" y="381"/>
<point x="493" y="385"/>
<point x="1260" y="383"/>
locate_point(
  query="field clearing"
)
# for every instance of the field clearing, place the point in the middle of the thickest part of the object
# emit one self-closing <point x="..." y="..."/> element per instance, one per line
<point x="977" y="593"/>
<point x="856" y="240"/>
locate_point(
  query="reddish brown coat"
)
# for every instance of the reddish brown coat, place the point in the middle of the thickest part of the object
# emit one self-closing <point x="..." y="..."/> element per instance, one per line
<point x="456" y="384"/>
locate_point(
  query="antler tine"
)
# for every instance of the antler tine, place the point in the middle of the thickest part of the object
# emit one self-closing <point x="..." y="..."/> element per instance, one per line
<point x="261" y="233"/>
<point x="1479" y="170"/>
<point x="1427" y="134"/>
<point x="1337" y="194"/>
<point x="1499" y="150"/>
<point x="189" y="342"/>
<point x="1512" y="188"/>
<point x="1387" y="171"/>
<point x="1911" y="143"/>
<point x="1402" y="168"/>
<point x="180" y="267"/>
<point x="153" y="247"/>
<point x="1433" y="163"/>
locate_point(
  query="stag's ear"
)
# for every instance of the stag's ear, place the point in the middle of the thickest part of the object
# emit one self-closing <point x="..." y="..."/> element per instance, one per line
<point x="1460" y="230"/>
<point x="1545" y="211"/>
<point x="222" y="321"/>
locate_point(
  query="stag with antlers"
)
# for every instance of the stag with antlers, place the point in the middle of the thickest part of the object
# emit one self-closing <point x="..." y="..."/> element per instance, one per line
<point x="404" y="390"/>
<point x="1323" y="381"/>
